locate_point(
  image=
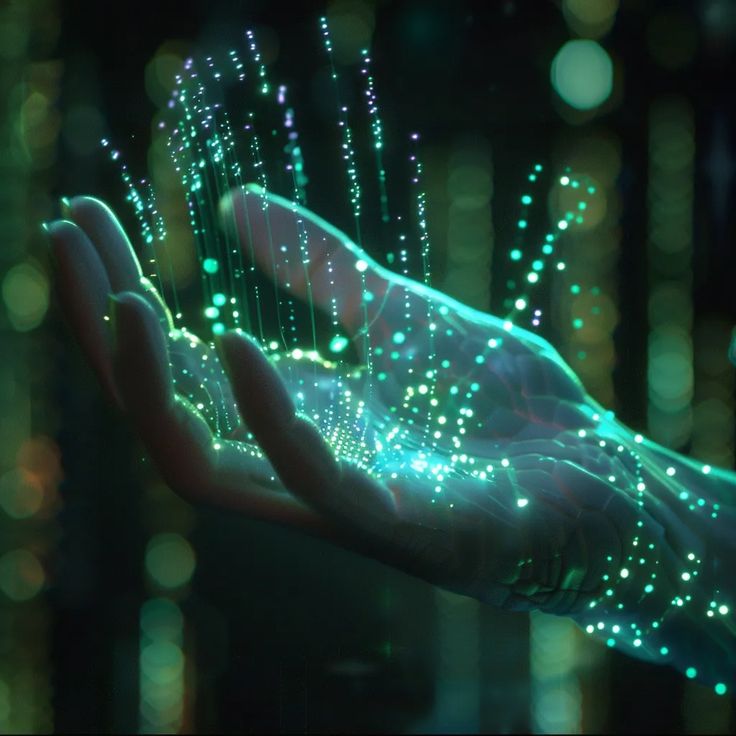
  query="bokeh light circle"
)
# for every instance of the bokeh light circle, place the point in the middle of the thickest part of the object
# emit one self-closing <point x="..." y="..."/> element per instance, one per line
<point x="582" y="74"/>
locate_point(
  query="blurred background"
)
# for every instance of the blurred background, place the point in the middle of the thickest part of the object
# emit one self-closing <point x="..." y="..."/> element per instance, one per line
<point x="122" y="607"/>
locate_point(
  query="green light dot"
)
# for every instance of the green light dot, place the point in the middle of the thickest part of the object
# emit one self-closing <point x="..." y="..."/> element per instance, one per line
<point x="577" y="323"/>
<point x="611" y="642"/>
<point x="515" y="254"/>
<point x="218" y="328"/>
<point x="212" y="312"/>
<point x="526" y="199"/>
<point x="522" y="224"/>
<point x="338" y="343"/>
<point x="169" y="560"/>
<point x="210" y="265"/>
<point x="664" y="651"/>
<point x="720" y="688"/>
<point x="575" y="289"/>
<point x="219" y="300"/>
<point x="399" y="338"/>
<point x="691" y="672"/>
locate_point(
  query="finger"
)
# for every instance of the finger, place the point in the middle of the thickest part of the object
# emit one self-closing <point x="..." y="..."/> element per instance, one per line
<point x="83" y="289"/>
<point x="181" y="444"/>
<point x="115" y="250"/>
<point x="298" y="452"/>
<point x="305" y="255"/>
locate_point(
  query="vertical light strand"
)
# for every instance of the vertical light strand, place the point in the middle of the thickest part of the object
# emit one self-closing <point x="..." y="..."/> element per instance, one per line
<point x="30" y="468"/>
<point x="586" y="314"/>
<point x="712" y="442"/>
<point x="468" y="192"/>
<point x="669" y="246"/>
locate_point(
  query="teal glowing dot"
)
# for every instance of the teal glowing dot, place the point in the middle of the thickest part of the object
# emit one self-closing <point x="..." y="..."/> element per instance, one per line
<point x="522" y="224"/>
<point x="691" y="673"/>
<point x="381" y="376"/>
<point x="520" y="303"/>
<point x="368" y="296"/>
<point x="648" y="588"/>
<point x="532" y="277"/>
<point x="210" y="265"/>
<point x="575" y="289"/>
<point x="338" y="343"/>
<point x="720" y="688"/>
<point x="526" y="199"/>
<point x="395" y="355"/>
<point x="218" y="328"/>
<point x="611" y="642"/>
<point x="219" y="300"/>
<point x="474" y="386"/>
<point x="664" y="651"/>
<point x="399" y="338"/>
<point x="445" y="363"/>
<point x="361" y="265"/>
<point x="480" y="359"/>
<point x="577" y="323"/>
<point x="538" y="265"/>
<point x="515" y="254"/>
<point x="212" y="312"/>
<point x="547" y="249"/>
<point x="582" y="74"/>
<point x="582" y="205"/>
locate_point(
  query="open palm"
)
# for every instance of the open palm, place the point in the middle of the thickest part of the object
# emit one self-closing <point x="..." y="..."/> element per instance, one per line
<point x="462" y="450"/>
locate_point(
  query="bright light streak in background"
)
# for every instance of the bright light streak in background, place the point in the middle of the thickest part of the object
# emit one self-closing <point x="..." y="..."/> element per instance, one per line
<point x="582" y="74"/>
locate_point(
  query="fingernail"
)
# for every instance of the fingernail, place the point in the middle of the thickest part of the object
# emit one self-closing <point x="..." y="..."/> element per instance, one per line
<point x="66" y="207"/>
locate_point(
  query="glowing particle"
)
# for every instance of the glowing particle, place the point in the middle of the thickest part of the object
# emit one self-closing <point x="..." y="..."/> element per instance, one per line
<point x="720" y="688"/>
<point x="670" y="471"/>
<point x="685" y="576"/>
<point x="664" y="651"/>
<point x="638" y="438"/>
<point x="210" y="265"/>
<point x="582" y="74"/>
<point x="298" y="354"/>
<point x="691" y="672"/>
<point x="361" y="265"/>
<point x="338" y="343"/>
<point x="212" y="312"/>
<point x="399" y="338"/>
<point x="521" y="502"/>
<point x="723" y="610"/>
<point x="515" y="254"/>
<point x="218" y="299"/>
<point x="520" y="303"/>
<point x="624" y="572"/>
<point x="706" y="469"/>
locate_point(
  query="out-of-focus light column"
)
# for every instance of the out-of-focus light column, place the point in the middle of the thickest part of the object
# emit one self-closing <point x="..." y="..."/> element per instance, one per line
<point x="29" y="461"/>
<point x="670" y="199"/>
<point x="467" y="276"/>
<point x="166" y="668"/>
<point x="712" y="442"/>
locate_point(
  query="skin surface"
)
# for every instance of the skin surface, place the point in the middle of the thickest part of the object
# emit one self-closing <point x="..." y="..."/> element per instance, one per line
<point x="578" y="516"/>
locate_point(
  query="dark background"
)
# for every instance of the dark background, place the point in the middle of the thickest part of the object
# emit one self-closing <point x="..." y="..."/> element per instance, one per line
<point x="281" y="632"/>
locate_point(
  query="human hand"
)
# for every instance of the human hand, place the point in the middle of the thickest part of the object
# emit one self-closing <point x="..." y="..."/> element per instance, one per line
<point x="464" y="450"/>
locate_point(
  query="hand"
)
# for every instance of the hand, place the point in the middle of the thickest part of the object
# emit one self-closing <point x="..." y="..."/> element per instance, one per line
<point x="463" y="451"/>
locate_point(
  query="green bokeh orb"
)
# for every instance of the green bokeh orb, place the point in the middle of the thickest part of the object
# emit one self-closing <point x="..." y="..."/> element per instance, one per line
<point x="582" y="74"/>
